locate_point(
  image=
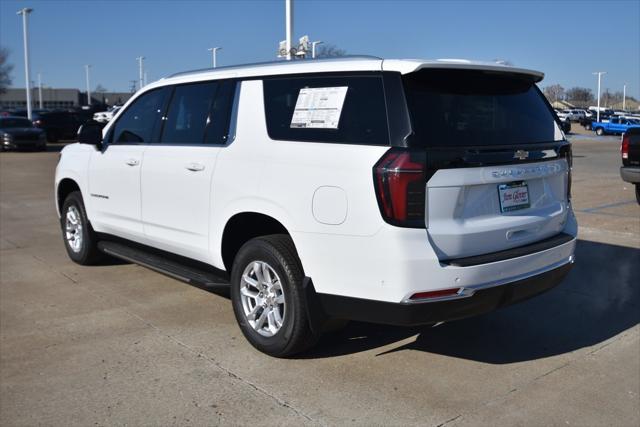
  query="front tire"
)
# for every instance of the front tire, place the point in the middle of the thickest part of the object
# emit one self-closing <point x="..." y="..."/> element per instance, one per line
<point x="638" y="193"/>
<point x="267" y="296"/>
<point x="599" y="131"/>
<point x="79" y="238"/>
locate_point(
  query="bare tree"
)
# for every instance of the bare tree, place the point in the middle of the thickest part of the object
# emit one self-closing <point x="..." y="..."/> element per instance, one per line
<point x="5" y="70"/>
<point x="580" y="96"/>
<point x="329" y="51"/>
<point x="554" y="93"/>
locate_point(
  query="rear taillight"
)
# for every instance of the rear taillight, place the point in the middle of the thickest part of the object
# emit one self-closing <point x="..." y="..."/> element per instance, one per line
<point x="400" y="183"/>
<point x="624" y="147"/>
<point x="568" y="155"/>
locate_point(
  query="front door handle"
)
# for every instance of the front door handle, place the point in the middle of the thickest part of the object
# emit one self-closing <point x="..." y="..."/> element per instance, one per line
<point x="195" y="167"/>
<point x="132" y="162"/>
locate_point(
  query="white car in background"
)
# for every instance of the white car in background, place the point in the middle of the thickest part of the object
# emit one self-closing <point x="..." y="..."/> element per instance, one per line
<point x="105" y="116"/>
<point x="575" y="114"/>
<point x="563" y="115"/>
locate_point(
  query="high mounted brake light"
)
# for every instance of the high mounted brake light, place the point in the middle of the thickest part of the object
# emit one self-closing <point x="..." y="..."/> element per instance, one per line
<point x="400" y="183"/>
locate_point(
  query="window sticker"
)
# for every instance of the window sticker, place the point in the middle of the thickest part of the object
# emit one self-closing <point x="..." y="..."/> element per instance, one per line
<point x="319" y="107"/>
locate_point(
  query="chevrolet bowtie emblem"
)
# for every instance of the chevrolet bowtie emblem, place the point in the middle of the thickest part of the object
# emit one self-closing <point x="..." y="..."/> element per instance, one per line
<point x="521" y="154"/>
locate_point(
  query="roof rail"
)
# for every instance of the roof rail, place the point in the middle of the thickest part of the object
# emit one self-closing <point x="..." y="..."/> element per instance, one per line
<point x="279" y="62"/>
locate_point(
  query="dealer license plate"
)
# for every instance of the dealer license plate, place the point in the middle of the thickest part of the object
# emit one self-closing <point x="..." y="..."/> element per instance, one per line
<point x="513" y="196"/>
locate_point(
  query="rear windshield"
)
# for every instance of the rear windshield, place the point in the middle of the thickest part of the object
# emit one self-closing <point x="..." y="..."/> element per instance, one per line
<point x="476" y="108"/>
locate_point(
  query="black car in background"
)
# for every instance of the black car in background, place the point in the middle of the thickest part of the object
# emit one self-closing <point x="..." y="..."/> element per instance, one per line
<point x="58" y="124"/>
<point x="630" y="151"/>
<point x="19" y="133"/>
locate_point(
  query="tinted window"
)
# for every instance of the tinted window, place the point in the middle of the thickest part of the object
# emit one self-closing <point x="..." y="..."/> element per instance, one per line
<point x="188" y="113"/>
<point x="218" y="130"/>
<point x="198" y="113"/>
<point x="467" y="108"/>
<point x="363" y="119"/>
<point x="137" y="122"/>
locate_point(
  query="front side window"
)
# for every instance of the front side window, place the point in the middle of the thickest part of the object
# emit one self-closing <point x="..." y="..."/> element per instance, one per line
<point x="347" y="109"/>
<point x="136" y="124"/>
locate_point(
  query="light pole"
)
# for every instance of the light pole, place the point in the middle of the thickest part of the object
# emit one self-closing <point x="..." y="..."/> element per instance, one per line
<point x="288" y="26"/>
<point x="624" y="96"/>
<point x="140" y="68"/>
<point x="40" y="90"/>
<point x="599" y="74"/>
<point x="86" y="71"/>
<point x="213" y="51"/>
<point x="25" y="33"/>
<point x="313" y="48"/>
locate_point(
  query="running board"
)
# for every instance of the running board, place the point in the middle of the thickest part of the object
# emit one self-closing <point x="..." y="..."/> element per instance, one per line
<point x="166" y="264"/>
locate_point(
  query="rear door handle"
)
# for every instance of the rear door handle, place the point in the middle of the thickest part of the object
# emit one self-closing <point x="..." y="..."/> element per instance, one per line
<point x="132" y="162"/>
<point x="195" y="167"/>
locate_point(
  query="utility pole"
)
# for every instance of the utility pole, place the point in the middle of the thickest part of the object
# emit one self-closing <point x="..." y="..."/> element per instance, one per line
<point x="86" y="71"/>
<point x="599" y="74"/>
<point x="140" y="69"/>
<point x="213" y="51"/>
<point x="145" y="78"/>
<point x="624" y="96"/>
<point x="25" y="34"/>
<point x="289" y="26"/>
<point x="40" y="90"/>
<point x="313" y="48"/>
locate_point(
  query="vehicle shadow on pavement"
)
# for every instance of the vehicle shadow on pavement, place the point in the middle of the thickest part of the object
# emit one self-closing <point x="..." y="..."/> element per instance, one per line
<point x="599" y="299"/>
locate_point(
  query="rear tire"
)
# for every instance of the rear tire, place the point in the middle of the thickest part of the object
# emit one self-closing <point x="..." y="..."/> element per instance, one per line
<point x="80" y="240"/>
<point x="599" y="131"/>
<point x="638" y="193"/>
<point x="267" y="296"/>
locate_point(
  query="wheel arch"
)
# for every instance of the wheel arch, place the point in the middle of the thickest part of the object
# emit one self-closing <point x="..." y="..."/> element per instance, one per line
<point x="244" y="226"/>
<point x="65" y="187"/>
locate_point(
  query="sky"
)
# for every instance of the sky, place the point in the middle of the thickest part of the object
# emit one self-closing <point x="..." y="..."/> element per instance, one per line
<point x="556" y="37"/>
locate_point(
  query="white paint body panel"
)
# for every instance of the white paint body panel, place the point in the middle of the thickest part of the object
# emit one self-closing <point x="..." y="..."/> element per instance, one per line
<point x="323" y="194"/>
<point x="176" y="197"/>
<point x="114" y="190"/>
<point x="463" y="209"/>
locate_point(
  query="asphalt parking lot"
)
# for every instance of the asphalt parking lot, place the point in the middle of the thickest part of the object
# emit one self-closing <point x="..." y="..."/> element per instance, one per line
<point x="119" y="344"/>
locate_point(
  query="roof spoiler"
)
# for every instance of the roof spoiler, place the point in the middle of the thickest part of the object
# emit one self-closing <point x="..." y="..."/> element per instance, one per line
<point x="406" y="66"/>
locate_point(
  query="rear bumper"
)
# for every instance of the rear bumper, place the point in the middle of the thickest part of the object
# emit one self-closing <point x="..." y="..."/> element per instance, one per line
<point x="630" y="174"/>
<point x="483" y="300"/>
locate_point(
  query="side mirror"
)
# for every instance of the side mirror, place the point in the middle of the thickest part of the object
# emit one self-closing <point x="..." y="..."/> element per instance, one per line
<point x="91" y="133"/>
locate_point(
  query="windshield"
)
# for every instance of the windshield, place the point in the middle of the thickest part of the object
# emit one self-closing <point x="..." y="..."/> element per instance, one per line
<point x="476" y="108"/>
<point x="15" y="123"/>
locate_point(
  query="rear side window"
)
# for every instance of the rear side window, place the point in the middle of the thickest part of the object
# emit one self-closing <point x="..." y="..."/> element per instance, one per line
<point x="476" y="108"/>
<point x="137" y="122"/>
<point x="362" y="118"/>
<point x="199" y="113"/>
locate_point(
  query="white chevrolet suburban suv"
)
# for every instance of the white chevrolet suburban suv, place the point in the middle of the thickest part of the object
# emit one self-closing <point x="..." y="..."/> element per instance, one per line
<point x="402" y="192"/>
